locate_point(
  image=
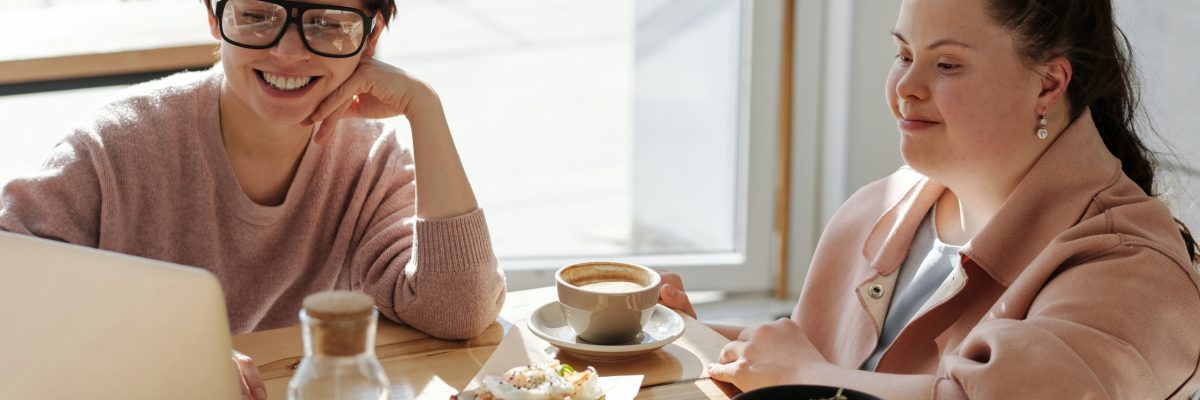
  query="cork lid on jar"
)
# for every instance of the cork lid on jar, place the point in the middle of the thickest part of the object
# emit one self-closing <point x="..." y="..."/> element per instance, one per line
<point x="339" y="305"/>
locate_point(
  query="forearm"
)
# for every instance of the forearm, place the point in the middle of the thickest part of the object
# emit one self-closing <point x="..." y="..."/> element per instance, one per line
<point x="448" y="286"/>
<point x="443" y="190"/>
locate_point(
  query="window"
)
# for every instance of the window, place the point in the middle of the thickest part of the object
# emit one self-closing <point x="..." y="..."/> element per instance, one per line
<point x="604" y="129"/>
<point x="637" y="130"/>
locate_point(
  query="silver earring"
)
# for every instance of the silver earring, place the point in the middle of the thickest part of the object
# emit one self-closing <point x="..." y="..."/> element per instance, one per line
<point x="1042" y="133"/>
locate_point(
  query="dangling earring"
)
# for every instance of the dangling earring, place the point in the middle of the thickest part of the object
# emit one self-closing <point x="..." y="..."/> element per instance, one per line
<point x="1042" y="133"/>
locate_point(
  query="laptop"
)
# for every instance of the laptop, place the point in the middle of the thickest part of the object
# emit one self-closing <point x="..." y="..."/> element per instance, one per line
<point x="79" y="323"/>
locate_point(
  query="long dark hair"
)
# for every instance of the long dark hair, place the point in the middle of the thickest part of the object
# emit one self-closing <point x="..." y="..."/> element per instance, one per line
<point x="1086" y="33"/>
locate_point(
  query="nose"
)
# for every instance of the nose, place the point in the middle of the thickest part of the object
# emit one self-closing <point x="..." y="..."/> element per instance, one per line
<point x="290" y="46"/>
<point x="912" y="84"/>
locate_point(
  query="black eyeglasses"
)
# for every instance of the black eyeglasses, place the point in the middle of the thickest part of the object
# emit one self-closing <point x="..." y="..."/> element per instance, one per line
<point x="329" y="31"/>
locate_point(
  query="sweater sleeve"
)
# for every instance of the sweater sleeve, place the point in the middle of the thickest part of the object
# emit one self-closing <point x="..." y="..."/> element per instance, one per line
<point x="1121" y="326"/>
<point x="438" y="276"/>
<point x="62" y="201"/>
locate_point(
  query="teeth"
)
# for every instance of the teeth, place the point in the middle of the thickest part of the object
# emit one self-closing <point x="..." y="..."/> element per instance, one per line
<point x="286" y="83"/>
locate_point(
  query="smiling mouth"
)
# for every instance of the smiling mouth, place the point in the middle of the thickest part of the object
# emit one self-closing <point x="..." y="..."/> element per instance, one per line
<point x="286" y="83"/>
<point x="912" y="125"/>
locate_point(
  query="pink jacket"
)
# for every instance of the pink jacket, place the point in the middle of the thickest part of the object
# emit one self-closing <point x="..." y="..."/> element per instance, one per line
<point x="1079" y="287"/>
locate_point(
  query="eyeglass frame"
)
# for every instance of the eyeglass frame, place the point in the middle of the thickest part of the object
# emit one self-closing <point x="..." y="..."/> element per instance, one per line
<point x="298" y="8"/>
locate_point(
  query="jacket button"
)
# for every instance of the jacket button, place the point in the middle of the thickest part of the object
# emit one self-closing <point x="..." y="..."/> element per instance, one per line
<point x="876" y="291"/>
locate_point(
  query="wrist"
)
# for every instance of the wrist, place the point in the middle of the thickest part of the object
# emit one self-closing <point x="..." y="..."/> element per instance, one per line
<point x="822" y="371"/>
<point x="425" y="102"/>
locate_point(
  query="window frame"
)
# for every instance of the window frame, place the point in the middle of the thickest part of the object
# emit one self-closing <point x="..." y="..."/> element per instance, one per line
<point x="750" y="267"/>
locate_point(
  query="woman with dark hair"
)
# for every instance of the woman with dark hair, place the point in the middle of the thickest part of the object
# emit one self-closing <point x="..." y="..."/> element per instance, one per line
<point x="1021" y="253"/>
<point x="270" y="170"/>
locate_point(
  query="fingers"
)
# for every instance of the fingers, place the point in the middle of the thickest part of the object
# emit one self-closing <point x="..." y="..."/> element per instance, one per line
<point x="329" y="123"/>
<point x="748" y="332"/>
<point x="672" y="294"/>
<point x="675" y="298"/>
<point x="724" y="372"/>
<point x="245" y="389"/>
<point x="241" y="378"/>
<point x="252" y="384"/>
<point x="756" y="331"/>
<point x="340" y="97"/>
<point x="731" y="352"/>
<point x="671" y="278"/>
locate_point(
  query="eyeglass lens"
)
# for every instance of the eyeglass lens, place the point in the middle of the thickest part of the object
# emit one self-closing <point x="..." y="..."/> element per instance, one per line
<point x="258" y="23"/>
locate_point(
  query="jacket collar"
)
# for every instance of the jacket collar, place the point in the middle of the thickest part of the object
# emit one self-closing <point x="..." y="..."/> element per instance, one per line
<point x="887" y="245"/>
<point x="1052" y="197"/>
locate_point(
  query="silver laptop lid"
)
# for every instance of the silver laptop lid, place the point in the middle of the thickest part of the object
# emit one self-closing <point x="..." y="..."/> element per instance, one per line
<point x="77" y="322"/>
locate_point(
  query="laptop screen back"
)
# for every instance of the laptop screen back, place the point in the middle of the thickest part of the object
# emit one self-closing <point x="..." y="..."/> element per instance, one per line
<point x="77" y="322"/>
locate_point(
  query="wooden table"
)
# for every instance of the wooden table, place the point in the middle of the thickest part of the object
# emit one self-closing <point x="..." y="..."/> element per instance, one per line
<point x="422" y="367"/>
<point x="117" y="38"/>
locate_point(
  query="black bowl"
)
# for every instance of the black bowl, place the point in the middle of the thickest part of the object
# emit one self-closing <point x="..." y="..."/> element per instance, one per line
<point x="801" y="392"/>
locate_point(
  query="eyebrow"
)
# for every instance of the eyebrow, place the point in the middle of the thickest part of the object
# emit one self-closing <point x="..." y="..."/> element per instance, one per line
<point x="939" y="43"/>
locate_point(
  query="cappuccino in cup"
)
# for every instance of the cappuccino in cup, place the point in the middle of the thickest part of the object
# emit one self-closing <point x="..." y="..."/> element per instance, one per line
<point x="607" y="302"/>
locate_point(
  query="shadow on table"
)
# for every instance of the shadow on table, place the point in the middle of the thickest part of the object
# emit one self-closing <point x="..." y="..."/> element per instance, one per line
<point x="698" y="389"/>
<point x="668" y="364"/>
<point x="436" y="368"/>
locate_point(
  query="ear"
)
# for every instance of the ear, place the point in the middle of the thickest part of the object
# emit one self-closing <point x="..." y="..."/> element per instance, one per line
<point x="373" y="40"/>
<point x="1056" y="77"/>
<point x="212" y="26"/>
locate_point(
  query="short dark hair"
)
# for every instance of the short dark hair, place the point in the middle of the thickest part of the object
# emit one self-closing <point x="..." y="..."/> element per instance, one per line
<point x="385" y="8"/>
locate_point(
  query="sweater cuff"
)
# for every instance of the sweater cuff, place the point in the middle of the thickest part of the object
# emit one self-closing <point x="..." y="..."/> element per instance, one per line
<point x="454" y="244"/>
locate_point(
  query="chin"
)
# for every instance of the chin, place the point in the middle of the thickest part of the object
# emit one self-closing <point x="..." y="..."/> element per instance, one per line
<point x="284" y="115"/>
<point x="916" y="159"/>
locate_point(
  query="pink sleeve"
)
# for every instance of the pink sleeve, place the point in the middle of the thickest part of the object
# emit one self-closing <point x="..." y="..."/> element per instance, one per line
<point x="1084" y="338"/>
<point x="452" y="288"/>
<point x="61" y="201"/>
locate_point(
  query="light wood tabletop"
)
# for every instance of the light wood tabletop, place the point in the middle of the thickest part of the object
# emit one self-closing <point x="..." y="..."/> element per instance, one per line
<point x="422" y="367"/>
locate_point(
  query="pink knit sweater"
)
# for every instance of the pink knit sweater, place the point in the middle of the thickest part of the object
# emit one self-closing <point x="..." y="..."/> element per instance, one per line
<point x="147" y="175"/>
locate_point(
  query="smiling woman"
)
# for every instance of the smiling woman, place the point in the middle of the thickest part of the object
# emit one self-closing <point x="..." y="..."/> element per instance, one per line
<point x="1026" y="240"/>
<point x="270" y="171"/>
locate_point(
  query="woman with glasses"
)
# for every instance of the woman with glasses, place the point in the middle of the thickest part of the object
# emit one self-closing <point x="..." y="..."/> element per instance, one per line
<point x="271" y="171"/>
<point x="1021" y="253"/>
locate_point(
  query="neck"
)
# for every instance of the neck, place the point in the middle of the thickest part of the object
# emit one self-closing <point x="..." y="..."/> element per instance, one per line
<point x="264" y="156"/>
<point x="247" y="135"/>
<point x="972" y="199"/>
<point x="962" y="214"/>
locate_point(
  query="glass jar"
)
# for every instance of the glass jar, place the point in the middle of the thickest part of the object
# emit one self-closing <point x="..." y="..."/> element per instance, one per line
<point x="339" y="350"/>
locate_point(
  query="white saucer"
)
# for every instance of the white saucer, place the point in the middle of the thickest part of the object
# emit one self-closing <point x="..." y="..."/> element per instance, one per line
<point x="549" y="323"/>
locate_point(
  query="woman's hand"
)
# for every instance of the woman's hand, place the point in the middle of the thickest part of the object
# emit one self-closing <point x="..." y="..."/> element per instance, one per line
<point x="672" y="294"/>
<point x="375" y="90"/>
<point x="378" y="90"/>
<point x="771" y="354"/>
<point x="252" y="384"/>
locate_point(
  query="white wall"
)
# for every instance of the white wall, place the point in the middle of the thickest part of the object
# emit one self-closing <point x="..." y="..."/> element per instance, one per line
<point x="874" y="141"/>
<point x="844" y="135"/>
<point x="1163" y="34"/>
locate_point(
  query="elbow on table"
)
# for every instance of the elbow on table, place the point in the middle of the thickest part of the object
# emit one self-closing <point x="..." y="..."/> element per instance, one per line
<point x="460" y="331"/>
<point x="461" y="315"/>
